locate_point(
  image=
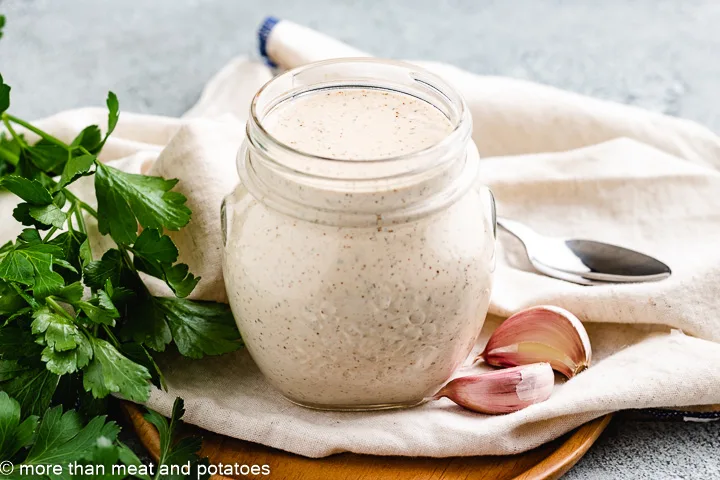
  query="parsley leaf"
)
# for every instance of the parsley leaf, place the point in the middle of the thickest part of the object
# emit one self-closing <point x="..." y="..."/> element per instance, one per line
<point x="62" y="439"/>
<point x="30" y="263"/>
<point x="10" y="369"/>
<point x="200" y="328"/>
<point x="6" y="248"/>
<point x="10" y="301"/>
<point x="64" y="362"/>
<point x="32" y="191"/>
<point x="39" y="217"/>
<point x="48" y="156"/>
<point x="21" y="213"/>
<point x="100" y="309"/>
<point x="112" y="372"/>
<point x="4" y="88"/>
<point x="15" y="342"/>
<point x="113" y="114"/>
<point x="139" y="354"/>
<point x="124" y="199"/>
<point x="152" y="246"/>
<point x="13" y="434"/>
<point x="74" y="248"/>
<point x="10" y="150"/>
<point x="67" y="348"/>
<point x="105" y="453"/>
<point x="128" y="457"/>
<point x="33" y="389"/>
<point x="174" y="450"/>
<point x="61" y="333"/>
<point x="71" y="293"/>
<point x="89" y="138"/>
<point x="180" y="280"/>
<point x="30" y="237"/>
<point x="74" y="169"/>
<point x="153" y="331"/>
<point x="48" y="215"/>
<point x="155" y="255"/>
<point x="109" y="268"/>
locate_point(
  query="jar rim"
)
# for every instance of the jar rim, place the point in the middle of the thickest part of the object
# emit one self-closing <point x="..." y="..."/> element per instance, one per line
<point x="459" y="130"/>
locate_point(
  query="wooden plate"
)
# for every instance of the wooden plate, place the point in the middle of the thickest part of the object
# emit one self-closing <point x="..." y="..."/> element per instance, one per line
<point x="549" y="461"/>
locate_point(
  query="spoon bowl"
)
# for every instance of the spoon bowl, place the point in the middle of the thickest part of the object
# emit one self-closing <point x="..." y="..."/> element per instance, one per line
<point x="586" y="262"/>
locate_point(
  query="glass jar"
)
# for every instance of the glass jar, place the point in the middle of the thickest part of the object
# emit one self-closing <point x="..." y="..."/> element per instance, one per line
<point x="359" y="284"/>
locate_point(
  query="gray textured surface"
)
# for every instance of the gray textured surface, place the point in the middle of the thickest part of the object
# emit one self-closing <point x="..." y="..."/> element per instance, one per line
<point x="157" y="54"/>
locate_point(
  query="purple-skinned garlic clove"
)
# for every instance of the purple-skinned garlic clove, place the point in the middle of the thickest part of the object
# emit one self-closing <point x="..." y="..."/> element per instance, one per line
<point x="501" y="391"/>
<point x="540" y="334"/>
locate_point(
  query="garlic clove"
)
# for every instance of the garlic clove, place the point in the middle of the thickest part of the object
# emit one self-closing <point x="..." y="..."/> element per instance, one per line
<point x="502" y="391"/>
<point x="540" y="334"/>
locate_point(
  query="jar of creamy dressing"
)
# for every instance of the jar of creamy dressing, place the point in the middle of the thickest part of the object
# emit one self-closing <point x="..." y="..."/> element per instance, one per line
<point x="358" y="252"/>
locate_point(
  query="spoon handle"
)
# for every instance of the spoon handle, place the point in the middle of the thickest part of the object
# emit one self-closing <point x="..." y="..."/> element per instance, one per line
<point x="518" y="230"/>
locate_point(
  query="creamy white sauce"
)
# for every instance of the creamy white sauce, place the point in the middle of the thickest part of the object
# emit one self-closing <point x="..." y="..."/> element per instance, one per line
<point x="358" y="317"/>
<point x="357" y="124"/>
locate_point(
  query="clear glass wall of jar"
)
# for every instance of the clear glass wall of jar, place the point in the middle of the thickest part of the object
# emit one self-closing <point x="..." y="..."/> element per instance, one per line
<point x="359" y="284"/>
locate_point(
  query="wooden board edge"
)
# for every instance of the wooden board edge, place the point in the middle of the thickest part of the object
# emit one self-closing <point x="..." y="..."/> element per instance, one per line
<point x="550" y="468"/>
<point x="146" y="431"/>
<point x="569" y="453"/>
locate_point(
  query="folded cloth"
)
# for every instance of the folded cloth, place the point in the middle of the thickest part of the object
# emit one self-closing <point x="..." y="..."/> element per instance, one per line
<point x="561" y="162"/>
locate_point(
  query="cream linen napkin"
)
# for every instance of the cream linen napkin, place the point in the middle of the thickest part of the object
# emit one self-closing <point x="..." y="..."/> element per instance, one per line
<point x="563" y="163"/>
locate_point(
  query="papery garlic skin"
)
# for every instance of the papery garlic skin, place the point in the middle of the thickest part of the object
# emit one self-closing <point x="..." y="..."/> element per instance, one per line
<point x="541" y="334"/>
<point x="502" y="391"/>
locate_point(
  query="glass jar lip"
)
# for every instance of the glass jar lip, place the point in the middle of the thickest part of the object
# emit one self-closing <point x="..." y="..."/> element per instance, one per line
<point x="438" y="83"/>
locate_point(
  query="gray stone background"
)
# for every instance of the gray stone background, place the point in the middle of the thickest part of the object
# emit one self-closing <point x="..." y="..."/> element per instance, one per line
<point x="157" y="54"/>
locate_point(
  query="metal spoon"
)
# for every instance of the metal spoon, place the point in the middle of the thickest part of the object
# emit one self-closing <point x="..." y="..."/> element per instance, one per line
<point x="585" y="262"/>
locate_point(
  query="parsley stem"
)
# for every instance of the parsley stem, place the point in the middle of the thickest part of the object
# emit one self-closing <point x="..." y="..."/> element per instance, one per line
<point x="35" y="130"/>
<point x="77" y="214"/>
<point x="89" y="247"/>
<point x="70" y="225"/>
<point x="50" y="234"/>
<point x="9" y="156"/>
<point x="129" y="264"/>
<point x="85" y="151"/>
<point x="80" y="203"/>
<point x="111" y="336"/>
<point x="88" y="208"/>
<point x="79" y="218"/>
<point x="58" y="308"/>
<point x="87" y="332"/>
<point x="18" y="138"/>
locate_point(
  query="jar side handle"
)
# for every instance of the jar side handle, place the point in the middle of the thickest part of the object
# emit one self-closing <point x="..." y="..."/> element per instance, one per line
<point x="233" y="203"/>
<point x="223" y="218"/>
<point x="493" y="221"/>
<point x="493" y="211"/>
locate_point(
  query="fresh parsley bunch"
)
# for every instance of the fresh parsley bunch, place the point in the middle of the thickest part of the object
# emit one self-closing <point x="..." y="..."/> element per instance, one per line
<point x="90" y="450"/>
<point x="74" y="329"/>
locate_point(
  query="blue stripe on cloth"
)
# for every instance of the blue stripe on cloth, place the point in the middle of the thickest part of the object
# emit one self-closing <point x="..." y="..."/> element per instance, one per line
<point x="263" y="34"/>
